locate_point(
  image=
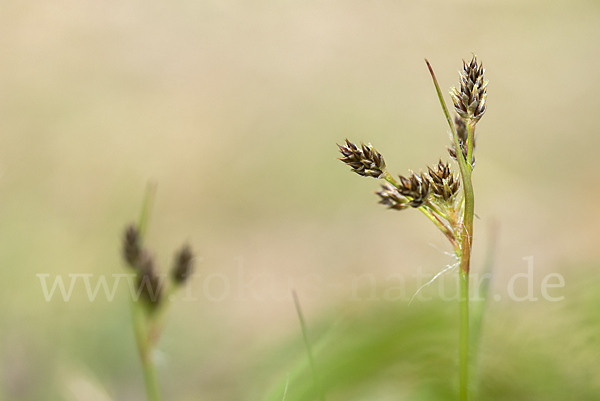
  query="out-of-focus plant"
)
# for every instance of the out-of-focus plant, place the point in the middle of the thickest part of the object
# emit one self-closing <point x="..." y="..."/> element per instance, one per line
<point x="445" y="198"/>
<point x="149" y="308"/>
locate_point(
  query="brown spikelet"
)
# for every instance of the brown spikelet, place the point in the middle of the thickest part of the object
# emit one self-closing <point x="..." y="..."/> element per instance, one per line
<point x="131" y="246"/>
<point x="183" y="266"/>
<point x="391" y="197"/>
<point x="149" y="283"/>
<point x="444" y="185"/>
<point x="469" y="99"/>
<point x="363" y="160"/>
<point x="415" y="188"/>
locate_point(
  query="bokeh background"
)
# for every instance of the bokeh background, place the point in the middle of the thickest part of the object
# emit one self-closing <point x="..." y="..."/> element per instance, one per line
<point x="233" y="109"/>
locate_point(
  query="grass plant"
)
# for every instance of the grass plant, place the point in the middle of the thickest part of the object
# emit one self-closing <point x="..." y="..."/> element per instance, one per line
<point x="149" y="309"/>
<point x="445" y="198"/>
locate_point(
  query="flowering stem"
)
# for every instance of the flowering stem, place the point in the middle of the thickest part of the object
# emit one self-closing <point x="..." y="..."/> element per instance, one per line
<point x="465" y="240"/>
<point x="139" y="316"/>
<point x="465" y="261"/>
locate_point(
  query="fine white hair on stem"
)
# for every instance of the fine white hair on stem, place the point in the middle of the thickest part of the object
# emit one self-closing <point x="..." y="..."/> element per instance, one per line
<point x="448" y="268"/>
<point x="439" y="250"/>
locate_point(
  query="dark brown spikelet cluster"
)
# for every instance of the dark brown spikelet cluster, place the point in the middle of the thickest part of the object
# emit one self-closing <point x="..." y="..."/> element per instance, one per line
<point x="444" y="185"/>
<point x="438" y="193"/>
<point x="131" y="246"/>
<point x="415" y="188"/>
<point x="412" y="191"/>
<point x="391" y="197"/>
<point x="149" y="283"/>
<point x="363" y="160"/>
<point x="469" y="99"/>
<point x="183" y="266"/>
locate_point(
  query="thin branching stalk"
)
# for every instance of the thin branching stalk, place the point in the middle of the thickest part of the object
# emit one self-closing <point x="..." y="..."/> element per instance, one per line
<point x="431" y="216"/>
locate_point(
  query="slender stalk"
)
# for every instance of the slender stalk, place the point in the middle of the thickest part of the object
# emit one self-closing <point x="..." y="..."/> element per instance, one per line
<point x="470" y="143"/>
<point x="308" y="347"/>
<point x="440" y="225"/>
<point x="139" y="314"/>
<point x="464" y="336"/>
<point x="431" y="216"/>
<point x="465" y="262"/>
<point x="159" y="316"/>
<point x="145" y="351"/>
<point x="147" y="205"/>
<point x="388" y="177"/>
<point x="465" y="240"/>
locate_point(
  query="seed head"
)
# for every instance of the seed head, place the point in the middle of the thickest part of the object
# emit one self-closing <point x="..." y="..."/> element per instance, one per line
<point x="415" y="188"/>
<point x="183" y="265"/>
<point x="365" y="161"/>
<point x="149" y="284"/>
<point x="444" y="184"/>
<point x="469" y="99"/>
<point x="391" y="197"/>
<point x="131" y="246"/>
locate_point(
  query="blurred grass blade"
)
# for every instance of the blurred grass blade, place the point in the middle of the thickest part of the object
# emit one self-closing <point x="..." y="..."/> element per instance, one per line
<point x="311" y="360"/>
<point x="147" y="205"/>
<point x="287" y="382"/>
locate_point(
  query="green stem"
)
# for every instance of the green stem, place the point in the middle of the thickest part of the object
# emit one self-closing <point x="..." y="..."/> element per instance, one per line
<point x="311" y="361"/>
<point x="464" y="335"/>
<point x="470" y="143"/>
<point x="388" y="177"/>
<point x="145" y="350"/>
<point x="436" y="209"/>
<point x="159" y="316"/>
<point x="139" y="315"/>
<point x="465" y="263"/>
<point x="439" y="224"/>
<point x="466" y="239"/>
<point x="147" y="205"/>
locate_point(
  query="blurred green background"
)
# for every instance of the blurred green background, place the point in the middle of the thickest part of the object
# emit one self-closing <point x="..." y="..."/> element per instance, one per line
<point x="233" y="108"/>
